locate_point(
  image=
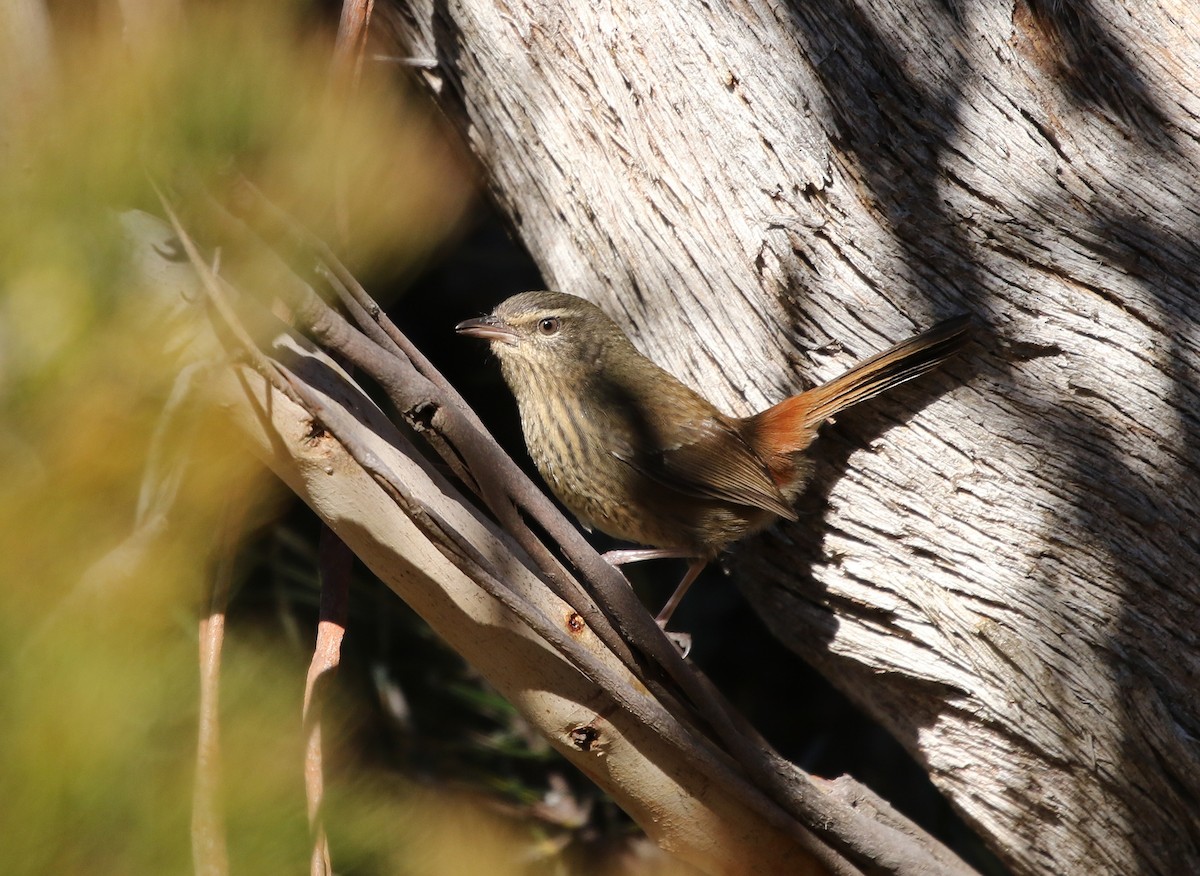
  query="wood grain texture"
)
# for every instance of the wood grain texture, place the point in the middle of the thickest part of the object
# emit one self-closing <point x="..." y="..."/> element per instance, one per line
<point x="999" y="562"/>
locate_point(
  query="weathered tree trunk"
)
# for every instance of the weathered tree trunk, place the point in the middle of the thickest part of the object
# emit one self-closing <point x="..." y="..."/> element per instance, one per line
<point x="1001" y="561"/>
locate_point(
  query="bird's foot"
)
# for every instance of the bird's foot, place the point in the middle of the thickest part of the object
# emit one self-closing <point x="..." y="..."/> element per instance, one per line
<point x="681" y="641"/>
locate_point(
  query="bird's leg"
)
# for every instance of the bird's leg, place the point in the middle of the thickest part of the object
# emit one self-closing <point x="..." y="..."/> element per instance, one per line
<point x="620" y="558"/>
<point x="693" y="572"/>
<point x="634" y="555"/>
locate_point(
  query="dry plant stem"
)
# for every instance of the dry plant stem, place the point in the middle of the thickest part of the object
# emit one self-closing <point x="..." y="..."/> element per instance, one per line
<point x="210" y="857"/>
<point x="161" y="479"/>
<point x="241" y="341"/>
<point x="345" y="75"/>
<point x="352" y="37"/>
<point x="368" y="323"/>
<point x="336" y="563"/>
<point x="874" y="808"/>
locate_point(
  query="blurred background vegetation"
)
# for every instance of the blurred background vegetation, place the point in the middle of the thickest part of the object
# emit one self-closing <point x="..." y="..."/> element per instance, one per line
<point x="105" y="580"/>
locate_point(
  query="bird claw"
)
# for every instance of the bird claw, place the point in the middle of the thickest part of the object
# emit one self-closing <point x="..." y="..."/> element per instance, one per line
<point x="682" y="641"/>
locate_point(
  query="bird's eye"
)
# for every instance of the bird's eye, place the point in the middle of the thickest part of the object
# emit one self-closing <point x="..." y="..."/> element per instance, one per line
<point x="549" y="325"/>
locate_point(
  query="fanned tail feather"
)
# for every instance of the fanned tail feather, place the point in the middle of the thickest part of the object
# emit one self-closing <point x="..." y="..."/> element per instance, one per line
<point x="792" y="424"/>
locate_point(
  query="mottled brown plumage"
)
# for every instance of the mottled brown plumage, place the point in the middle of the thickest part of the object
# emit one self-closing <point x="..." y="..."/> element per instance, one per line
<point x="635" y="453"/>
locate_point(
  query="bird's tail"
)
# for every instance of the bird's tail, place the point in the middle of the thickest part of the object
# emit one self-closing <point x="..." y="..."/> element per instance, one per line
<point x="791" y="425"/>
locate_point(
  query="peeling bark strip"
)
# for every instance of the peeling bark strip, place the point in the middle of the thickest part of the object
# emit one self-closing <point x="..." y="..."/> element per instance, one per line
<point x="1004" y="573"/>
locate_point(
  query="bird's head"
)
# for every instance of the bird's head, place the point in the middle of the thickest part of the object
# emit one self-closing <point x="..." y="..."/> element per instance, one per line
<point x="547" y="331"/>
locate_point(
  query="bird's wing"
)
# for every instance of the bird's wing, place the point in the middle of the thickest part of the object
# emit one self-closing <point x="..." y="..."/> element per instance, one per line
<point x="708" y="459"/>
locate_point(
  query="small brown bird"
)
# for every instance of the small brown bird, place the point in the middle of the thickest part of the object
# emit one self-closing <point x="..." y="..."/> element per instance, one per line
<point x="634" y="453"/>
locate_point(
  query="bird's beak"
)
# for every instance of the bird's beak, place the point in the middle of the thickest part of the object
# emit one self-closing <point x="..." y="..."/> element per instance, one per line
<point x="490" y="328"/>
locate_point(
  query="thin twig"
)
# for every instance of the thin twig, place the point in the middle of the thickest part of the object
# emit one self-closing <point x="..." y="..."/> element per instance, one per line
<point x="350" y="47"/>
<point x="210" y="857"/>
<point x="336" y="564"/>
<point x="229" y="321"/>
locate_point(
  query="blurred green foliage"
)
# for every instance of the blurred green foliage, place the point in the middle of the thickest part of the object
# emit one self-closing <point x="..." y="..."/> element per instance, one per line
<point x="100" y="596"/>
